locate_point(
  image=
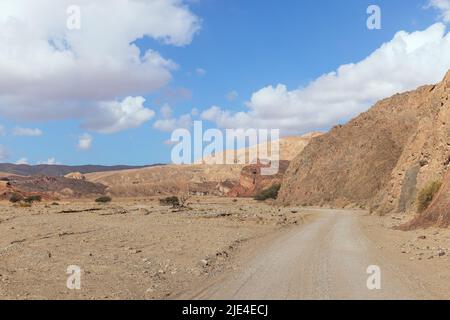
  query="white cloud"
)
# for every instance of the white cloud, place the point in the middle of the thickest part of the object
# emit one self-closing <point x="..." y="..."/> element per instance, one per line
<point x="444" y="7"/>
<point x="166" y="111"/>
<point x="232" y="95"/>
<point x="168" y="125"/>
<point x="4" y="154"/>
<point x="406" y="62"/>
<point x="200" y="72"/>
<point x="50" y="161"/>
<point x="85" y="142"/>
<point x="165" y="125"/>
<point x="50" y="72"/>
<point x="27" y="132"/>
<point x="22" y="161"/>
<point x="115" y="116"/>
<point x="2" y="130"/>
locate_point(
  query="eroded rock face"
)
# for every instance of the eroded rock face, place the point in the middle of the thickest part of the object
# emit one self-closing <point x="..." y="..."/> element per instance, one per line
<point x="379" y="159"/>
<point x="251" y="180"/>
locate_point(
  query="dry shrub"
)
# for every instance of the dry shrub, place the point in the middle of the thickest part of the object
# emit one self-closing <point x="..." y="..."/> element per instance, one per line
<point x="427" y="194"/>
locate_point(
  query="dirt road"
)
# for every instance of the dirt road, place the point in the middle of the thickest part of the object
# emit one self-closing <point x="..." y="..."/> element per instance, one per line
<point x="324" y="259"/>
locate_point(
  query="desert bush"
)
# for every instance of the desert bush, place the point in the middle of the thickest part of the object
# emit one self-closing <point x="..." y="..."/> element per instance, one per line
<point x="15" y="197"/>
<point x="170" y="201"/>
<point x="427" y="194"/>
<point x="24" y="204"/>
<point x="31" y="199"/>
<point x="269" y="193"/>
<point x="104" y="199"/>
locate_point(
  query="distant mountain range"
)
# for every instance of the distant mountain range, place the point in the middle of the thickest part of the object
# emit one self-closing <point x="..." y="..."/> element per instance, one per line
<point x="60" y="170"/>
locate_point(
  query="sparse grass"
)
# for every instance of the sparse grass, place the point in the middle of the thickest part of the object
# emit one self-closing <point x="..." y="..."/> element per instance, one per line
<point x="24" y="205"/>
<point x="427" y="194"/>
<point x="269" y="193"/>
<point x="104" y="199"/>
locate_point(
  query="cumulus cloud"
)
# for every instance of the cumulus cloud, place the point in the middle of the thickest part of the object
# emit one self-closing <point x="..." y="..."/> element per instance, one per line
<point x="27" y="132"/>
<point x="22" y="161"/>
<point x="4" y="154"/>
<point x="85" y="142"/>
<point x="50" y="161"/>
<point x="168" y="125"/>
<point x="115" y="116"/>
<point x="444" y="7"/>
<point x="50" y="72"/>
<point x="404" y="63"/>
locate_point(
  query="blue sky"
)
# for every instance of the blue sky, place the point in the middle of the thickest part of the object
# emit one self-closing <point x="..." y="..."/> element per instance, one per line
<point x="237" y="49"/>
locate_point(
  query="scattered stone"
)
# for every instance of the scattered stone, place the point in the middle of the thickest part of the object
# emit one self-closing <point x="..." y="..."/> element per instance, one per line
<point x="422" y="237"/>
<point x="205" y="262"/>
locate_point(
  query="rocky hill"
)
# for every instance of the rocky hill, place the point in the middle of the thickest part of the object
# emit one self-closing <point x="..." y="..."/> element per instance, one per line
<point x="379" y="159"/>
<point x="289" y="148"/>
<point x="57" y="170"/>
<point x="168" y="180"/>
<point x="198" y="178"/>
<point x="49" y="187"/>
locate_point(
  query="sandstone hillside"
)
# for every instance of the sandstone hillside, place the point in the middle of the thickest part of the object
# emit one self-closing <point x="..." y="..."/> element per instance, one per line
<point x="379" y="159"/>
<point x="197" y="178"/>
<point x="289" y="149"/>
<point x="167" y="180"/>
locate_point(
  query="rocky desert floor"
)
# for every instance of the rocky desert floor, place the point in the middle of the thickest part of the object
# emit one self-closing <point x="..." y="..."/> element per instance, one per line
<point x="128" y="249"/>
<point x="138" y="249"/>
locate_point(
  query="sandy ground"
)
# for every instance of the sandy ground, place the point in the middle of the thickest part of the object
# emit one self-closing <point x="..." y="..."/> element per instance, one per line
<point x="130" y="249"/>
<point x="328" y="258"/>
<point x="137" y="249"/>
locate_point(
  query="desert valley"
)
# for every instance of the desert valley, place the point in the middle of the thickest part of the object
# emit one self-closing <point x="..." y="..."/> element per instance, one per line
<point x="374" y="191"/>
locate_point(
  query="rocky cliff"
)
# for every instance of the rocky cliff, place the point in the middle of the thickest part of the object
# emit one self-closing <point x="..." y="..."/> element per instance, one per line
<point x="379" y="159"/>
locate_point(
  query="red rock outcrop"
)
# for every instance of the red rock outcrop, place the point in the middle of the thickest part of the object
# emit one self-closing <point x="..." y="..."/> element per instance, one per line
<point x="251" y="180"/>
